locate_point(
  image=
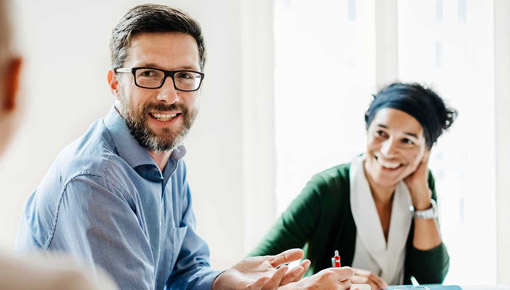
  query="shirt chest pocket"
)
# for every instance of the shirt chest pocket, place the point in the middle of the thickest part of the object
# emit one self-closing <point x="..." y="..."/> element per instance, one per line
<point x="178" y="235"/>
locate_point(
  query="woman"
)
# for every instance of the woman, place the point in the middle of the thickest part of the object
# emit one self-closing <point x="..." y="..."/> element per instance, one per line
<point x="362" y="209"/>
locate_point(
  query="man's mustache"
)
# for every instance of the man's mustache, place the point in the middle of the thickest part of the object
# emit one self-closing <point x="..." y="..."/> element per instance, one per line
<point x="165" y="107"/>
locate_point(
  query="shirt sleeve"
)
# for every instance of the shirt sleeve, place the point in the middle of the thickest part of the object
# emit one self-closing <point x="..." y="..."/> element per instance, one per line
<point x="99" y="226"/>
<point x="428" y="266"/>
<point x="192" y="269"/>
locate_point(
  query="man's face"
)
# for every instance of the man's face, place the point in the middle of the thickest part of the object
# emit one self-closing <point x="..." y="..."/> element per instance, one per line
<point x="159" y="118"/>
<point x="10" y="67"/>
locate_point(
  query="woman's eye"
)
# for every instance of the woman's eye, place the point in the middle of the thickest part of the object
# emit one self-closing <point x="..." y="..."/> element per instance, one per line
<point x="408" y="141"/>
<point x="380" y="133"/>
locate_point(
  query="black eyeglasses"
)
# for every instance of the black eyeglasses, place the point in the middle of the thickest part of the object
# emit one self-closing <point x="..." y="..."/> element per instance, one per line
<point x="154" y="78"/>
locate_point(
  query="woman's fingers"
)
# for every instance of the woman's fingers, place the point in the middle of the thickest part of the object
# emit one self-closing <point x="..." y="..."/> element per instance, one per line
<point x="378" y="281"/>
<point x="366" y="277"/>
<point x="361" y="272"/>
<point x="357" y="279"/>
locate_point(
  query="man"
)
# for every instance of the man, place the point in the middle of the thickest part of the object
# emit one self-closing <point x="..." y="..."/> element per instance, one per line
<point x="118" y="197"/>
<point x="10" y="67"/>
<point x="35" y="271"/>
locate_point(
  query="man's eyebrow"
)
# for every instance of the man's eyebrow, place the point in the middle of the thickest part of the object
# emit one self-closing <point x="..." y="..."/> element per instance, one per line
<point x="407" y="133"/>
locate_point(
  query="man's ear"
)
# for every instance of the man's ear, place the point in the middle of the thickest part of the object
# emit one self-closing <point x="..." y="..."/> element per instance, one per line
<point x="12" y="79"/>
<point x="113" y="83"/>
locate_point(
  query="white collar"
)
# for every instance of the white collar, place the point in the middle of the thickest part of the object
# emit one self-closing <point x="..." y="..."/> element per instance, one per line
<point x="371" y="246"/>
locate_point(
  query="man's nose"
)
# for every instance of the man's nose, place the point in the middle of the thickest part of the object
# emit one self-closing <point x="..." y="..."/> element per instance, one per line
<point x="168" y="93"/>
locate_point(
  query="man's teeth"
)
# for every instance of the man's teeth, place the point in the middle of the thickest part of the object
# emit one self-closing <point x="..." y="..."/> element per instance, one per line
<point x="163" y="117"/>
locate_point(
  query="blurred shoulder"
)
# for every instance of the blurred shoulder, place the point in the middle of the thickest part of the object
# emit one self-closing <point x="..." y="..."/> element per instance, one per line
<point x="40" y="271"/>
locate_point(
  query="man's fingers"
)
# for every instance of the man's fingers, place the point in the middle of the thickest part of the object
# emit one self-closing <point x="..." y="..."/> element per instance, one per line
<point x="306" y="265"/>
<point x="343" y="273"/>
<point x="295" y="274"/>
<point x="286" y="257"/>
<point x="292" y="275"/>
<point x="276" y="279"/>
<point x="361" y="272"/>
<point x="345" y="284"/>
<point x="259" y="283"/>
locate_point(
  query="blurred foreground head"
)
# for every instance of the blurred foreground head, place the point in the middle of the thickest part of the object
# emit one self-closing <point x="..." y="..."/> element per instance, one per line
<point x="10" y="65"/>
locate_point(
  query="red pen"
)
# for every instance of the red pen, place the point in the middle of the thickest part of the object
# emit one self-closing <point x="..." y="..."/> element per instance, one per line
<point x="335" y="261"/>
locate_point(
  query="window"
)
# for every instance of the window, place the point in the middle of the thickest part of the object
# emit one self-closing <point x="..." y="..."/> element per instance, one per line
<point x="325" y="72"/>
<point x="323" y="79"/>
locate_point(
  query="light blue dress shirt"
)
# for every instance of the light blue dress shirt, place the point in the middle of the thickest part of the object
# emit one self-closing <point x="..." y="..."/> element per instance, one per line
<point x="105" y="201"/>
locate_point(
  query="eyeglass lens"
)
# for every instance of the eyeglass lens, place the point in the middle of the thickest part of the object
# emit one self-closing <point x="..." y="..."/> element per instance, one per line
<point x="153" y="78"/>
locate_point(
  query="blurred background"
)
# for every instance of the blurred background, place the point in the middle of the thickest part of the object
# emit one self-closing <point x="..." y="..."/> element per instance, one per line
<point x="287" y="84"/>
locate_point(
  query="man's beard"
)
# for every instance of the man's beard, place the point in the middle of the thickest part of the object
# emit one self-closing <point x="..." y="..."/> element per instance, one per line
<point x="164" y="139"/>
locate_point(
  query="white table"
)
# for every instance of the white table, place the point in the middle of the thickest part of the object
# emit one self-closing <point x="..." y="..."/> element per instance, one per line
<point x="486" y="287"/>
<point x="459" y="287"/>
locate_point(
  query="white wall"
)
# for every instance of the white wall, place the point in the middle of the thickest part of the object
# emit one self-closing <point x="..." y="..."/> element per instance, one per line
<point x="502" y="120"/>
<point x="460" y="48"/>
<point x="65" y="44"/>
<point x="230" y="149"/>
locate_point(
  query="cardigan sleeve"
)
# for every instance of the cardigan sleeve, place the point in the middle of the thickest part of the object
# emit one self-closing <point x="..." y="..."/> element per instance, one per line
<point x="427" y="266"/>
<point x="296" y="224"/>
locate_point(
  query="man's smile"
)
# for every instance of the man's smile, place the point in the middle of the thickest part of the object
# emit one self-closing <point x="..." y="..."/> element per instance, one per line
<point x="164" y="117"/>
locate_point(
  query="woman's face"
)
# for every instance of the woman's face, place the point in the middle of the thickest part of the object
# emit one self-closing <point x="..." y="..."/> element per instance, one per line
<point x="395" y="147"/>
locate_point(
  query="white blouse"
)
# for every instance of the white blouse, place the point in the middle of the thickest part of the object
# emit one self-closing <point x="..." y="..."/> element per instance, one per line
<point x="373" y="253"/>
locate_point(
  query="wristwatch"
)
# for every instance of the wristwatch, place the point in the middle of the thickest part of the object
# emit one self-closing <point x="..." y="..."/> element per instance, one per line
<point x="430" y="213"/>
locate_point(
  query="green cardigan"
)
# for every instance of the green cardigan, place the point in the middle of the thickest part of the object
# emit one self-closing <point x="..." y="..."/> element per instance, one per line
<point x="320" y="221"/>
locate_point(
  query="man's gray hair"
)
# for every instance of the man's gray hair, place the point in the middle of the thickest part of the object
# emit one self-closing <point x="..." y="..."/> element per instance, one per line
<point x="149" y="18"/>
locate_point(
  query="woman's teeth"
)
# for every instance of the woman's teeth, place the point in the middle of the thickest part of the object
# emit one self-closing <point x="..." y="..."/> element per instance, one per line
<point x="389" y="165"/>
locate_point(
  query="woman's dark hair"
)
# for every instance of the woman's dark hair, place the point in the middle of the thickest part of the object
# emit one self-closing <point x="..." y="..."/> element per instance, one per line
<point x="153" y="18"/>
<point x="421" y="103"/>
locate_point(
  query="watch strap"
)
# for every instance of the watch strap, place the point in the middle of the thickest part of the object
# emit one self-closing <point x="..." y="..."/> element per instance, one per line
<point x="429" y="213"/>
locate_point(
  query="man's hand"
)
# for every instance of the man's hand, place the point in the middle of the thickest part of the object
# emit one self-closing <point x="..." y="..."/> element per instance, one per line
<point x="331" y="278"/>
<point x="266" y="273"/>
<point x="365" y="277"/>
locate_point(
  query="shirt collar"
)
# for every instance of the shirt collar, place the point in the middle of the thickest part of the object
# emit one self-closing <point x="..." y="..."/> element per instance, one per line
<point x="131" y="151"/>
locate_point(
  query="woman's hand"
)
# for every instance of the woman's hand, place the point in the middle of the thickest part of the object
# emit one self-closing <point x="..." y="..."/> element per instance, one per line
<point x="365" y="277"/>
<point x="418" y="184"/>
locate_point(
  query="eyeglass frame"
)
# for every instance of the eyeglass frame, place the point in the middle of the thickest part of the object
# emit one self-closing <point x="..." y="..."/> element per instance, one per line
<point x="168" y="73"/>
